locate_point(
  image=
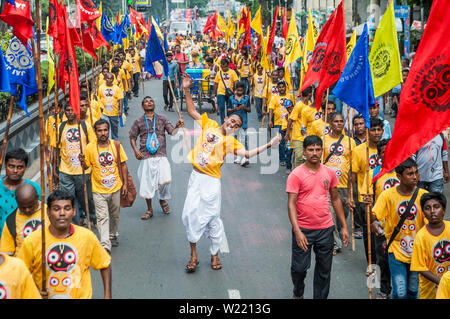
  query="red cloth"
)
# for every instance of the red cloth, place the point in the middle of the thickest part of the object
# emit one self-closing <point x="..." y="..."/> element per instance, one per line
<point x="272" y="32"/>
<point x="312" y="189"/>
<point x="87" y="10"/>
<point x="424" y="109"/>
<point x="99" y="39"/>
<point x="19" y="18"/>
<point x="285" y="25"/>
<point x="329" y="56"/>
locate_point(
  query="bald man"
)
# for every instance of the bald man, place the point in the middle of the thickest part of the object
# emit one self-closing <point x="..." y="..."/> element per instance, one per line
<point x="23" y="221"/>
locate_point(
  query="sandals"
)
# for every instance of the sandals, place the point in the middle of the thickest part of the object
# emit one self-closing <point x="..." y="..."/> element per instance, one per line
<point x="165" y="207"/>
<point x="147" y="215"/>
<point x="191" y="266"/>
<point x="217" y="265"/>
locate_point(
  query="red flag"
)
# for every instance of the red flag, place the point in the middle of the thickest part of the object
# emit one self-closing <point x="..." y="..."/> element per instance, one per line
<point x="135" y="17"/>
<point x="68" y="69"/>
<point x="285" y="25"/>
<point x="98" y="38"/>
<point x="86" y="41"/>
<point x="248" y="32"/>
<point x="53" y="18"/>
<point x="272" y="32"/>
<point x="87" y="10"/>
<point x="424" y="109"/>
<point x="329" y="56"/>
<point x="208" y="25"/>
<point x="19" y="18"/>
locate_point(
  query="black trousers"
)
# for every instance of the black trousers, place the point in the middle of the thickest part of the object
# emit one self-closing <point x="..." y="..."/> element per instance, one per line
<point x="383" y="263"/>
<point x="363" y="216"/>
<point x="166" y="91"/>
<point x="322" y="242"/>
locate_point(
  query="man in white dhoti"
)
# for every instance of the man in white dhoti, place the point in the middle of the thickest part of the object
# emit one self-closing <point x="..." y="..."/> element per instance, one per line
<point x="154" y="168"/>
<point x="201" y="211"/>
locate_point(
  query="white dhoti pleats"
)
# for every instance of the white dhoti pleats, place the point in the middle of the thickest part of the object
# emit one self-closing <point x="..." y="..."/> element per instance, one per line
<point x="201" y="211"/>
<point x="154" y="176"/>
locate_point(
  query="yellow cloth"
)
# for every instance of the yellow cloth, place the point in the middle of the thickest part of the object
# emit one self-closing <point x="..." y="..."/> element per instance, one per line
<point x="109" y="97"/>
<point x="317" y="128"/>
<point x="16" y="280"/>
<point x="293" y="48"/>
<point x="259" y="83"/>
<point x="105" y="172"/>
<point x="387" y="210"/>
<point x="245" y="69"/>
<point x="340" y="162"/>
<point x="68" y="261"/>
<point x="284" y="124"/>
<point x="296" y="117"/>
<point x="309" y="115"/>
<point x="386" y="181"/>
<point x="230" y="77"/>
<point x="211" y="148"/>
<point x="70" y="148"/>
<point x="25" y="225"/>
<point x="50" y="128"/>
<point x="443" y="291"/>
<point x="128" y="68"/>
<point x="277" y="104"/>
<point x="351" y="44"/>
<point x="135" y="63"/>
<point x="428" y="254"/>
<point x="271" y="90"/>
<point x="360" y="163"/>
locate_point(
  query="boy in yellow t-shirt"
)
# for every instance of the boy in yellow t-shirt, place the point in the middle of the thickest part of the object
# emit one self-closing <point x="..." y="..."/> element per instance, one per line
<point x="259" y="83"/>
<point x="110" y="97"/>
<point x="319" y="127"/>
<point x="443" y="291"/>
<point x="71" y="251"/>
<point x="15" y="280"/>
<point x="201" y="211"/>
<point x="23" y="221"/>
<point x="431" y="251"/>
<point x="386" y="213"/>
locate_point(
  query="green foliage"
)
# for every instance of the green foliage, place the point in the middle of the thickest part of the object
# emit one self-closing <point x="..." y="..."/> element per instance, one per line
<point x="5" y="38"/>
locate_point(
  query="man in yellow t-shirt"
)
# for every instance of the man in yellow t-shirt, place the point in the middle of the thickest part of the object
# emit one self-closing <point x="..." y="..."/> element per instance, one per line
<point x="245" y="69"/>
<point x="386" y="213"/>
<point x="135" y="60"/>
<point x="336" y="155"/>
<point x="277" y="110"/>
<point x="259" y="83"/>
<point x="107" y="185"/>
<point x="201" y="211"/>
<point x="110" y="97"/>
<point x="15" y="280"/>
<point x="296" y="123"/>
<point x="443" y="291"/>
<point x="23" y="221"/>
<point x="71" y="251"/>
<point x="431" y="251"/>
<point x="225" y="77"/>
<point x="318" y="127"/>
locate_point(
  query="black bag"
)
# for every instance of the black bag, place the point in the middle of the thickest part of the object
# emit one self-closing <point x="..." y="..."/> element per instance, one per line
<point x="334" y="150"/>
<point x="403" y="218"/>
<point x="228" y="92"/>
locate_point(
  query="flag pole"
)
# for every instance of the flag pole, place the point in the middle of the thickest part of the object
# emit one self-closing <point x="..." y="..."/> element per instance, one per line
<point x="8" y="122"/>
<point x="368" y="213"/>
<point x="350" y="185"/>
<point x="37" y="63"/>
<point x="47" y="150"/>
<point x="325" y="123"/>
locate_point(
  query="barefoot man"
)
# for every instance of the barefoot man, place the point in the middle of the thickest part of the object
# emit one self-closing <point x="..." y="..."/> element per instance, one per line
<point x="201" y="211"/>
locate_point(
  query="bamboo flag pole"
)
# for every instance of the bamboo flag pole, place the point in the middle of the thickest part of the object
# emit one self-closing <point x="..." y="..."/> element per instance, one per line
<point x="368" y="213"/>
<point x="350" y="184"/>
<point x="47" y="150"/>
<point x="5" y="138"/>
<point x="325" y="123"/>
<point x="37" y="62"/>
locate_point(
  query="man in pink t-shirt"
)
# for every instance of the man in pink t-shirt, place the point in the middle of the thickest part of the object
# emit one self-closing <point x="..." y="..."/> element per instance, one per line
<point x="310" y="188"/>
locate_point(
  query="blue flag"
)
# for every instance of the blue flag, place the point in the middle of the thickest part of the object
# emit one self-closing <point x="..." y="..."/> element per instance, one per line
<point x="20" y="66"/>
<point x="120" y="31"/>
<point x="155" y="53"/>
<point x="166" y="45"/>
<point x="4" y="75"/>
<point x="107" y="29"/>
<point x="13" y="2"/>
<point x="355" y="86"/>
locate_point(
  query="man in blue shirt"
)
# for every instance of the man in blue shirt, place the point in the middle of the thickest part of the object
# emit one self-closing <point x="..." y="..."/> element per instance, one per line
<point x="240" y="104"/>
<point x="374" y="111"/>
<point x="173" y="80"/>
<point x="16" y="162"/>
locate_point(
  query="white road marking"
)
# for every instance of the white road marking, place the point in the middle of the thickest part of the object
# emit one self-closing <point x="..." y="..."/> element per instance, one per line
<point x="234" y="294"/>
<point x="224" y="245"/>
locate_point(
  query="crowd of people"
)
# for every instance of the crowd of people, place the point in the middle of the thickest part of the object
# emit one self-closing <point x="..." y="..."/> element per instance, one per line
<point x="328" y="157"/>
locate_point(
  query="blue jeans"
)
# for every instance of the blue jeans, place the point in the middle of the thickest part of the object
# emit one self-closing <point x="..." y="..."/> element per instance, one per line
<point x="136" y="83"/>
<point x="247" y="86"/>
<point x="282" y="146"/>
<point x="125" y="102"/>
<point x="113" y="126"/>
<point x="224" y="103"/>
<point x="258" y="105"/>
<point x="405" y="283"/>
<point x="434" y="186"/>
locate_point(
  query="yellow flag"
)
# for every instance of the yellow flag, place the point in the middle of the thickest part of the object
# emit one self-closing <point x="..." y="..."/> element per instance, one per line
<point x="230" y="28"/>
<point x="51" y="63"/>
<point x="264" y="58"/>
<point x="384" y="57"/>
<point x="99" y="19"/>
<point x="351" y="44"/>
<point x="293" y="48"/>
<point x="221" y="23"/>
<point x="157" y="29"/>
<point x="256" y="23"/>
<point x="310" y="41"/>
